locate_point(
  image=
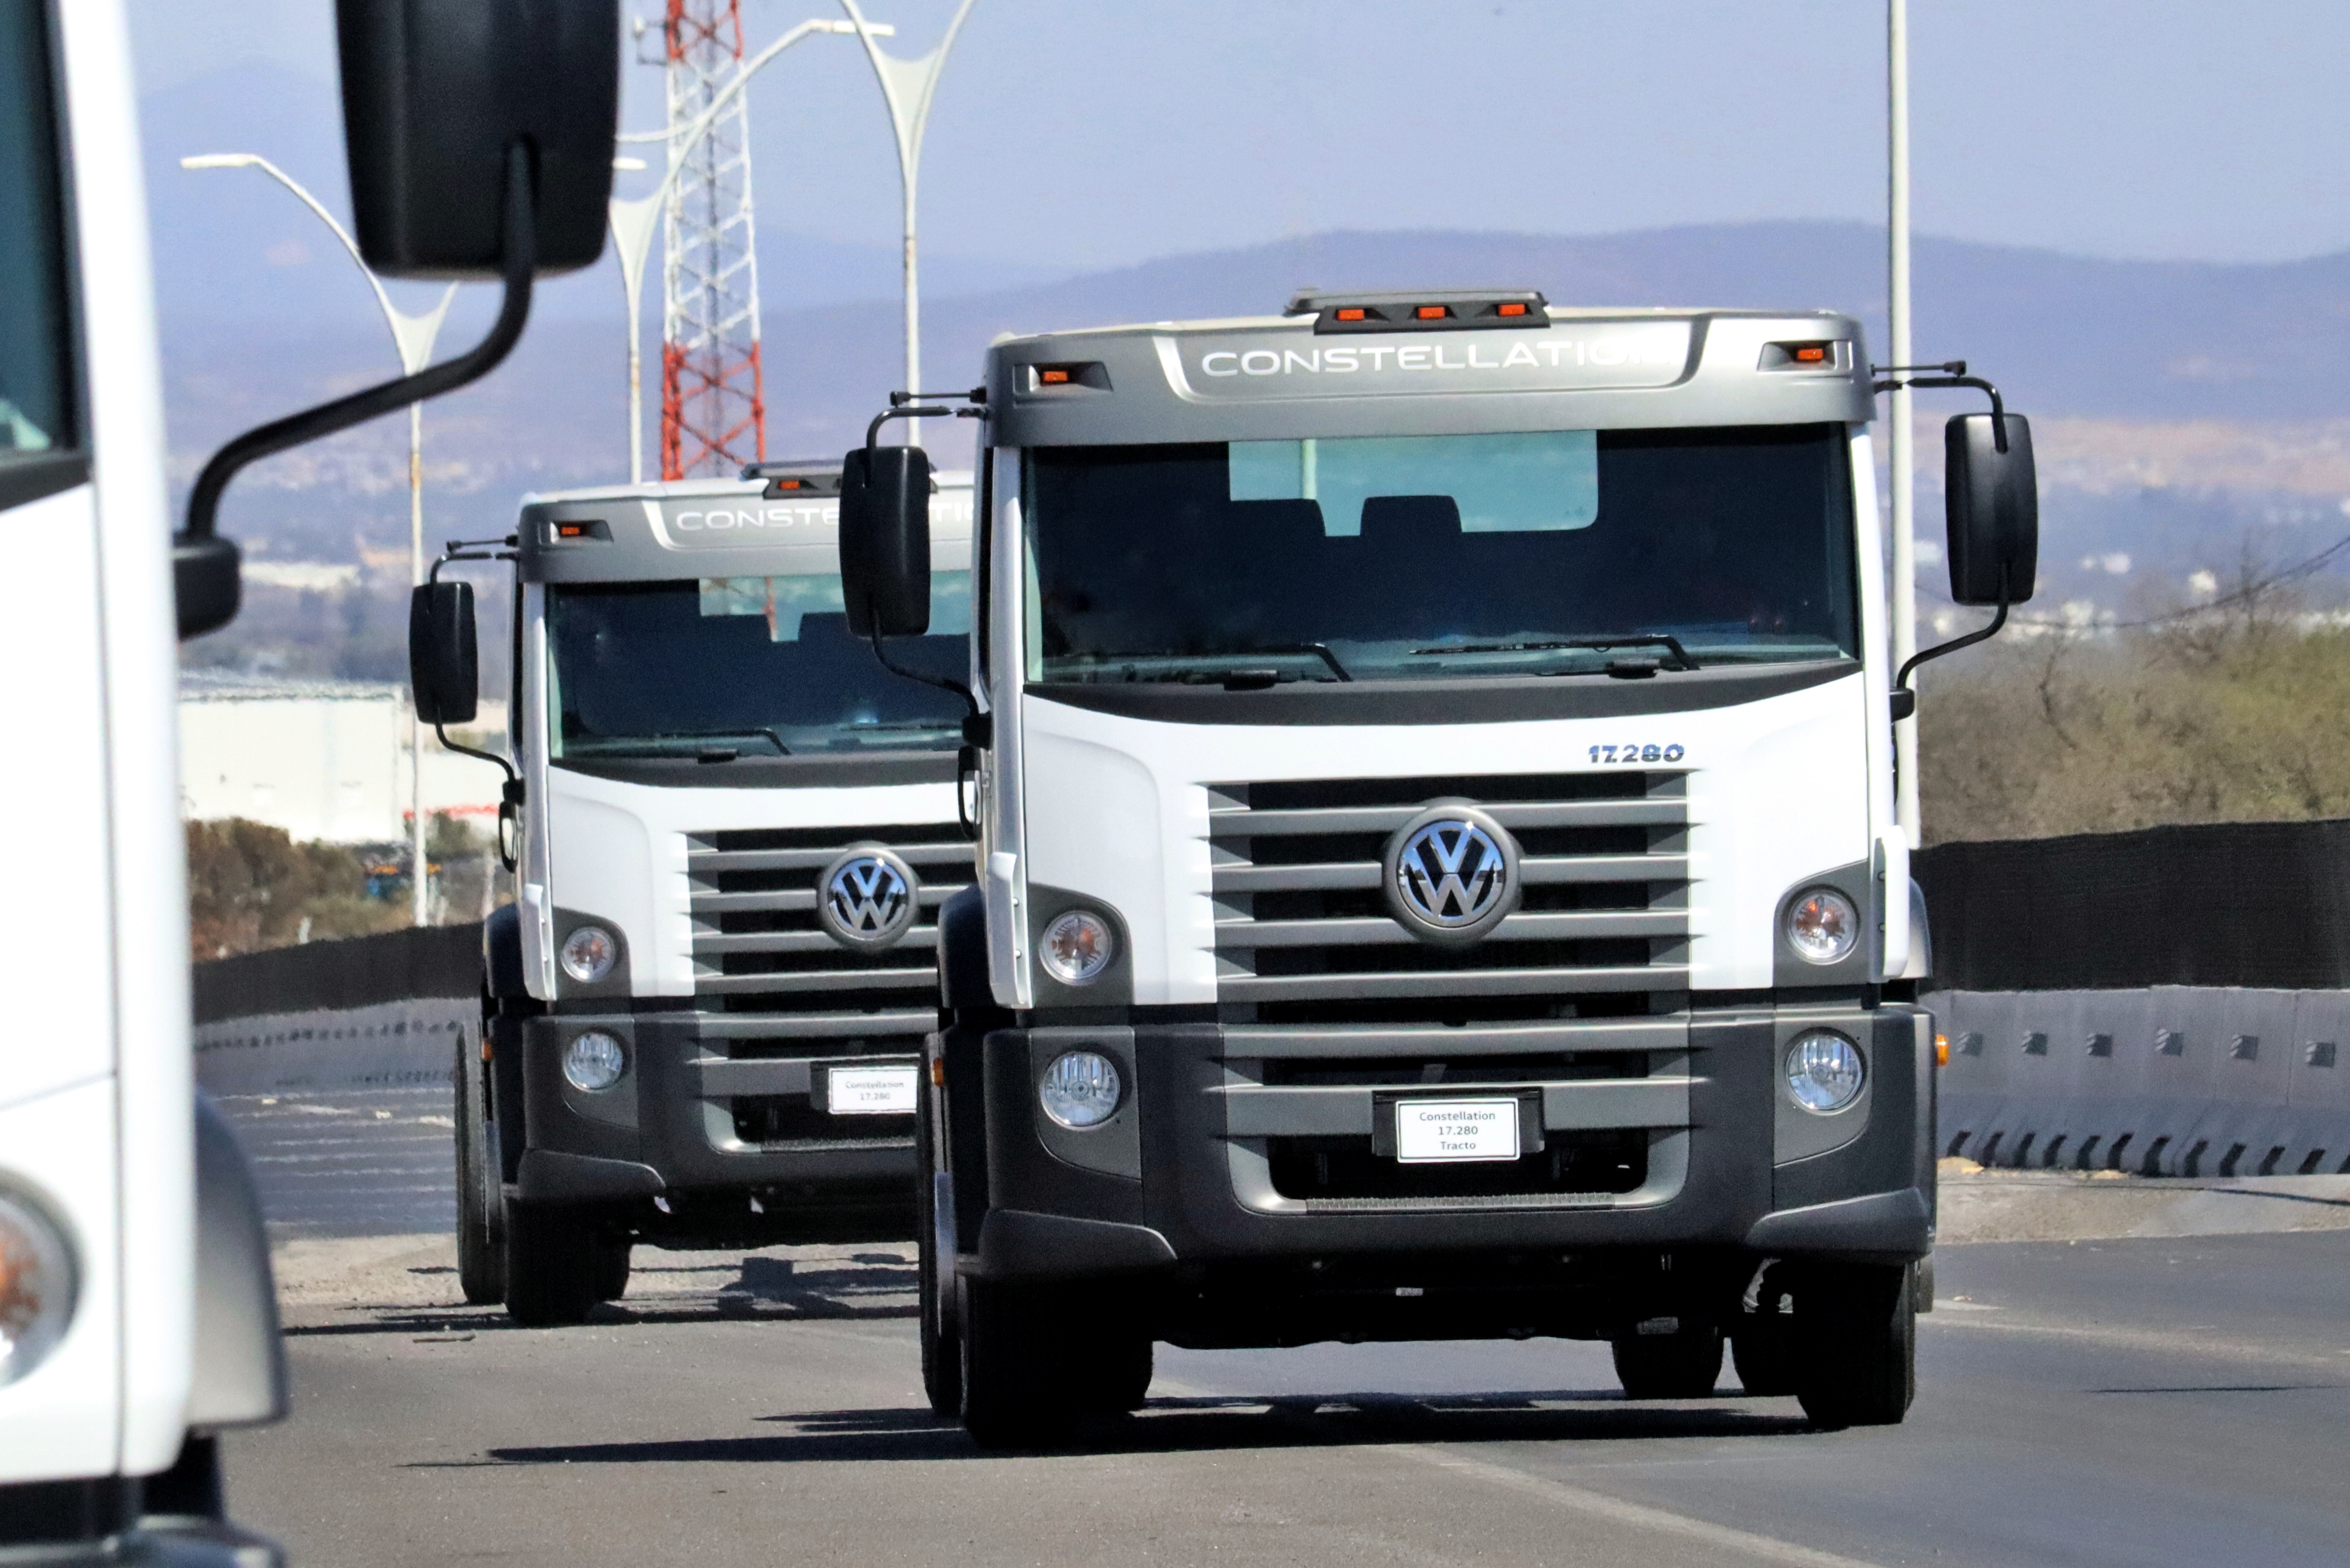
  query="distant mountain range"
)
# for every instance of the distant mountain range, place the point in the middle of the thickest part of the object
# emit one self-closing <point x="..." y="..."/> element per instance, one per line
<point x="261" y="314"/>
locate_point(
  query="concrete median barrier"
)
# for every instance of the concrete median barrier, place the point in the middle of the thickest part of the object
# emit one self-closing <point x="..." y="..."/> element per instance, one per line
<point x="2170" y="1081"/>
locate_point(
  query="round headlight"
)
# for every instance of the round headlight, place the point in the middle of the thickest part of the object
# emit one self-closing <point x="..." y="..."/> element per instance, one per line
<point x="594" y="1060"/>
<point x="588" y="954"/>
<point x="1824" y="1072"/>
<point x="36" y="1287"/>
<point x="1080" y="1089"/>
<point x="1822" y="927"/>
<point x="1077" y="947"/>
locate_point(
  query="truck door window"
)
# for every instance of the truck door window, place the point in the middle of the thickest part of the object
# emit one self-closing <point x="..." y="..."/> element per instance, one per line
<point x="37" y="404"/>
<point x="1457" y="558"/>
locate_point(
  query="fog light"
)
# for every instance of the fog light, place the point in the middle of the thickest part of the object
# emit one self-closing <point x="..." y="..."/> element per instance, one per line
<point x="594" y="1061"/>
<point x="1077" y="947"/>
<point x="36" y="1287"/>
<point x="1080" y="1089"/>
<point x="1822" y="927"/>
<point x="1824" y="1072"/>
<point x="588" y="954"/>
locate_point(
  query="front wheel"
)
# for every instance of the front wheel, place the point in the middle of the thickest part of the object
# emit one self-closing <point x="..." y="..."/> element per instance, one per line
<point x="1683" y="1365"/>
<point x="934" y="1236"/>
<point x="558" y="1259"/>
<point x="1868" y="1314"/>
<point x="481" y="1194"/>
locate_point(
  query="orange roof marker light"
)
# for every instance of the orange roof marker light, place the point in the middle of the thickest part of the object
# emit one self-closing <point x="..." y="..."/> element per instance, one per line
<point x="1811" y="355"/>
<point x="1439" y="310"/>
<point x="1054" y="378"/>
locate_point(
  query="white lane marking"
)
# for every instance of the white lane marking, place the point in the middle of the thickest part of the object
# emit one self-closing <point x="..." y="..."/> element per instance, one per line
<point x="1620" y="1510"/>
<point x="2153" y="1341"/>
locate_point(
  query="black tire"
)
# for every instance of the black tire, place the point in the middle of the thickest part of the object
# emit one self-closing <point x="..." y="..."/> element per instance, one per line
<point x="1869" y="1313"/>
<point x="1682" y="1366"/>
<point x="480" y="1195"/>
<point x="935" y="1261"/>
<point x="612" y="1268"/>
<point x="1121" y="1379"/>
<point x="556" y="1260"/>
<point x="1763" y="1342"/>
<point x="1012" y="1396"/>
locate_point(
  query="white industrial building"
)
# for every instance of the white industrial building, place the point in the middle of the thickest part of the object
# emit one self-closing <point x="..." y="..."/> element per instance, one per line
<point x="321" y="759"/>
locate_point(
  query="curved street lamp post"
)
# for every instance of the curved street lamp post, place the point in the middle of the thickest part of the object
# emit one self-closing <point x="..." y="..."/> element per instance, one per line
<point x="906" y="88"/>
<point x="412" y="337"/>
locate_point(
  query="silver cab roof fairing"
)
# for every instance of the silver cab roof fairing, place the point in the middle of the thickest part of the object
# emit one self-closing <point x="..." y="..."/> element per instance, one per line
<point x="710" y="528"/>
<point x="1275" y="379"/>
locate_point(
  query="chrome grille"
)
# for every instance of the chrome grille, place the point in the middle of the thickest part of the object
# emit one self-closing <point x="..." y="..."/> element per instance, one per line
<point x="1302" y="929"/>
<point x="759" y="949"/>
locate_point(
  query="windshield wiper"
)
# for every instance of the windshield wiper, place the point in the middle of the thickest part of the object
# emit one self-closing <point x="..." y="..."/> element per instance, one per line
<point x="682" y="742"/>
<point x="1681" y="661"/>
<point x="1310" y="650"/>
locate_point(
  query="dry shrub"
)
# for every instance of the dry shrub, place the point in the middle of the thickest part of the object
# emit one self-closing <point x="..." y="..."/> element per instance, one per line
<point x="2230" y="714"/>
<point x="251" y="886"/>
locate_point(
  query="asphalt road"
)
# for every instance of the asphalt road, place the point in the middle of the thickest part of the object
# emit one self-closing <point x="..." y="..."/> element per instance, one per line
<point x="2143" y="1402"/>
<point x="351" y="1162"/>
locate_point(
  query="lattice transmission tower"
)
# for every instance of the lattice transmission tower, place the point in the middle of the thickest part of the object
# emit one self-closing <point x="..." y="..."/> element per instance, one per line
<point x="713" y="408"/>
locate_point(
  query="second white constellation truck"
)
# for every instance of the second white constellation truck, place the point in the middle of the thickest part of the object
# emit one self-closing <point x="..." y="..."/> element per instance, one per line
<point x="734" y="831"/>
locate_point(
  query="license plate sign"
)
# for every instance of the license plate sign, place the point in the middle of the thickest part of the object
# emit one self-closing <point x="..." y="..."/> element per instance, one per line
<point x="1428" y="1131"/>
<point x="869" y="1091"/>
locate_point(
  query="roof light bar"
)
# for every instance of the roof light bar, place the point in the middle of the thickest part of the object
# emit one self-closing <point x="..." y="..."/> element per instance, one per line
<point x="1434" y="310"/>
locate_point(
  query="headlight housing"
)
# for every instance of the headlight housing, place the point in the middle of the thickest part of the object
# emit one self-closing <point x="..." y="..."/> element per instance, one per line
<point x="1081" y="1089"/>
<point x="37" y="1286"/>
<point x="1077" y="947"/>
<point x="1822" y="927"/>
<point x="588" y="954"/>
<point x="1824" y="1072"/>
<point x="594" y="1061"/>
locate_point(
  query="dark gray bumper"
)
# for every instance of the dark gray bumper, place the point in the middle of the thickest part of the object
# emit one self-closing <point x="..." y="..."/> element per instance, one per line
<point x="670" y="1124"/>
<point x="1188" y="1175"/>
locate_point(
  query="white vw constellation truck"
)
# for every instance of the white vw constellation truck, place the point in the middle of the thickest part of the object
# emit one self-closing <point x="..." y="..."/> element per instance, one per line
<point x="137" y="1314"/>
<point x="1439" y="871"/>
<point x="734" y="829"/>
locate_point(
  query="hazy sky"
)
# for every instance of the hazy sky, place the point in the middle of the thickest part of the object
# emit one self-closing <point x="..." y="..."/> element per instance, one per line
<point x="1095" y="132"/>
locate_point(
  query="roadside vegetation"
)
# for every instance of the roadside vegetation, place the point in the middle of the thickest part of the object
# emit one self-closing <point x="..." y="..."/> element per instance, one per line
<point x="252" y="887"/>
<point x="2229" y="712"/>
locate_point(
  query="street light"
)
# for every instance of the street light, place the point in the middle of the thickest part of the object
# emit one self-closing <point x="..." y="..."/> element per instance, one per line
<point x="1903" y="463"/>
<point x="633" y="217"/>
<point x="907" y="87"/>
<point x="412" y="338"/>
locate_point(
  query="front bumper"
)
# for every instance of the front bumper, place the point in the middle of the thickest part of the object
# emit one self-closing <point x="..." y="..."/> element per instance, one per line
<point x="688" y="1117"/>
<point x="1211" y="1168"/>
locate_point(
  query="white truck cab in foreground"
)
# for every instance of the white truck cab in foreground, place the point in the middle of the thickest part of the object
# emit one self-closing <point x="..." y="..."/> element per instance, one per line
<point x="1442" y="877"/>
<point x="734" y="829"/>
<point x="136" y="1313"/>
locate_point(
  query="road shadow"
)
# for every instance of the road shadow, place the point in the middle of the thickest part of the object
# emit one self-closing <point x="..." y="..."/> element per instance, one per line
<point x="1181" y="1425"/>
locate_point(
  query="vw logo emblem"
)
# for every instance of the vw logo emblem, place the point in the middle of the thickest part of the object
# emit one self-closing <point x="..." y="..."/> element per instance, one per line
<point x="867" y="899"/>
<point x="1452" y="874"/>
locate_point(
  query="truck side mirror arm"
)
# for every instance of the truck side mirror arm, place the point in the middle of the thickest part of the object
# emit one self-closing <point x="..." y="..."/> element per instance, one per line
<point x="197" y="551"/>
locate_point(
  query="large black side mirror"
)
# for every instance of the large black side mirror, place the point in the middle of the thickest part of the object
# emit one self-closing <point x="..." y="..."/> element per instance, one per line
<point x="1992" y="494"/>
<point x="884" y="540"/>
<point x="444" y="659"/>
<point x="434" y="93"/>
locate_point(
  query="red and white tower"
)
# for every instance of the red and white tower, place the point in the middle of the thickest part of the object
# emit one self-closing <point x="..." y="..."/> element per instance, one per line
<point x="713" y="411"/>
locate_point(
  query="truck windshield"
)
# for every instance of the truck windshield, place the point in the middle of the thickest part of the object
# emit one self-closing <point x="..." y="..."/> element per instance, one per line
<point x="37" y="402"/>
<point x="1456" y="556"/>
<point x="754" y="666"/>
